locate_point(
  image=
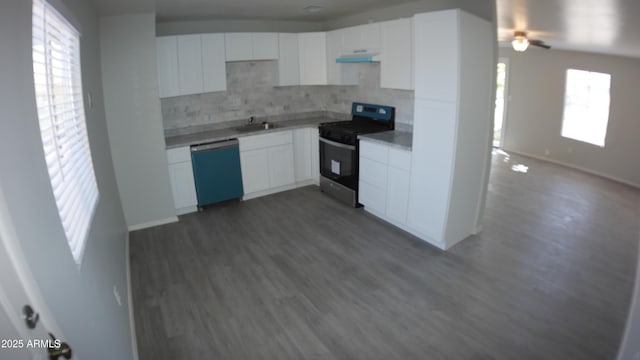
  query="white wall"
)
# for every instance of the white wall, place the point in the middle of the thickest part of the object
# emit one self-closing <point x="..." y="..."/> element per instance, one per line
<point x="134" y="120"/>
<point x="81" y="299"/>
<point x="534" y="113"/>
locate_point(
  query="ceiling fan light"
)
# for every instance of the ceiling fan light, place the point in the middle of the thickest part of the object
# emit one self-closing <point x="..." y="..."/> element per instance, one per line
<point x="520" y="44"/>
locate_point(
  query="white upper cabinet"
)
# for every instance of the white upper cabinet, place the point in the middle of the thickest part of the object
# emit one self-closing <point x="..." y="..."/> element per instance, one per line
<point x="213" y="63"/>
<point x="358" y="39"/>
<point x="396" y="58"/>
<point x="370" y="36"/>
<point x="265" y="46"/>
<point x="313" y="58"/>
<point x="190" y="64"/>
<point x="288" y="60"/>
<point x="436" y="40"/>
<point x="239" y="46"/>
<point x="251" y="46"/>
<point x="167" y="62"/>
<point x="350" y="39"/>
<point x="339" y="73"/>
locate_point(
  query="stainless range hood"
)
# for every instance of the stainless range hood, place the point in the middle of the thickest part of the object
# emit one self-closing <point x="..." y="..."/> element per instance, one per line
<point x="359" y="56"/>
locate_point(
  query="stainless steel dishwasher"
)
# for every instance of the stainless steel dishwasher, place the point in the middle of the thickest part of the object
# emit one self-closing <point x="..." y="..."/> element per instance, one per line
<point x="217" y="172"/>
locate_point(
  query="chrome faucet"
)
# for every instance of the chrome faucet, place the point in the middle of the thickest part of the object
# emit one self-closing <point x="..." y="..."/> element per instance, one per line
<point x="251" y="118"/>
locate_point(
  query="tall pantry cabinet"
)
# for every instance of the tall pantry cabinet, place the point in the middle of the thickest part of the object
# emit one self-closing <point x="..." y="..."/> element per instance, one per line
<point x="455" y="63"/>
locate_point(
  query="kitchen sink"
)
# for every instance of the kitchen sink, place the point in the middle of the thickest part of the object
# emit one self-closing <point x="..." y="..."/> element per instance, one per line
<point x="256" y="127"/>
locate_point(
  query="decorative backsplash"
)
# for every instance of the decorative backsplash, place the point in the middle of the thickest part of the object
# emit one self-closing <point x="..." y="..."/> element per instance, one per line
<point x="252" y="91"/>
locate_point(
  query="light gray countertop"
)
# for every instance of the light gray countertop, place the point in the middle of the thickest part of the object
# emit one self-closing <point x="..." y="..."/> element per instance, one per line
<point x="231" y="133"/>
<point x="400" y="139"/>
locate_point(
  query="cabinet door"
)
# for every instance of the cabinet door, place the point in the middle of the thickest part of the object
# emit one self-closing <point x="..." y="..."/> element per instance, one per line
<point x="334" y="44"/>
<point x="436" y="55"/>
<point x="431" y="166"/>
<point x="350" y="40"/>
<point x="373" y="172"/>
<point x="396" y="63"/>
<point x="190" y="64"/>
<point x="313" y="58"/>
<point x="213" y="63"/>
<point x="182" y="185"/>
<point x="167" y="62"/>
<point x="372" y="197"/>
<point x="281" y="166"/>
<point x="289" y="60"/>
<point x="265" y="46"/>
<point x="302" y="154"/>
<point x="255" y="170"/>
<point x="315" y="156"/>
<point x="398" y="182"/>
<point x="238" y="46"/>
<point x="339" y="74"/>
<point x="370" y="36"/>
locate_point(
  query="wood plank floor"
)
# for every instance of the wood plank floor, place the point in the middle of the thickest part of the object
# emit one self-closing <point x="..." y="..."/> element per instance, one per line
<point x="297" y="275"/>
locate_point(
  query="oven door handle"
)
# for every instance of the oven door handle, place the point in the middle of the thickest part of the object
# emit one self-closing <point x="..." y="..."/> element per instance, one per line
<point x="337" y="144"/>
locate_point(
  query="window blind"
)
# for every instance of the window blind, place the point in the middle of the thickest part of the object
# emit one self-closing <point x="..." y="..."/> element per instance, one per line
<point x="58" y="89"/>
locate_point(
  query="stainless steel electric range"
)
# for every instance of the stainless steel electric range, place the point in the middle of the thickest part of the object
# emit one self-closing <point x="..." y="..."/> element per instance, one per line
<point x="339" y="151"/>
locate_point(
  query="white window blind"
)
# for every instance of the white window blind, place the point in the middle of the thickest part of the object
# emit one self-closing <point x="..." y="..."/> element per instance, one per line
<point x="586" y="106"/>
<point x="58" y="89"/>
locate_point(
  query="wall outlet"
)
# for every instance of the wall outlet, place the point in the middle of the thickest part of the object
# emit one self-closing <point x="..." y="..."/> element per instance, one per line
<point x="547" y="152"/>
<point x="570" y="150"/>
<point x="116" y="294"/>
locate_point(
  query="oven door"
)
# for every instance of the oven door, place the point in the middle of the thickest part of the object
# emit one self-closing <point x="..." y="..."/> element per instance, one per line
<point x="339" y="162"/>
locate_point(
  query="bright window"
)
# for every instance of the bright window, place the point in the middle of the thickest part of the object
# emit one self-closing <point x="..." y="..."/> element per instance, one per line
<point x="586" y="106"/>
<point x="58" y="89"/>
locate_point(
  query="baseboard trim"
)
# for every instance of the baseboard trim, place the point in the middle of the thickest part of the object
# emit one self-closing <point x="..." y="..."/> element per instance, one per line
<point x="575" y="167"/>
<point x="187" y="210"/>
<point x="132" y="320"/>
<point x="153" y="223"/>
<point x="258" y="194"/>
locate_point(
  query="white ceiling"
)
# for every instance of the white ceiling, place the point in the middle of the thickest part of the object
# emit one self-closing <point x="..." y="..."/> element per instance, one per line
<point x="171" y="10"/>
<point x="601" y="26"/>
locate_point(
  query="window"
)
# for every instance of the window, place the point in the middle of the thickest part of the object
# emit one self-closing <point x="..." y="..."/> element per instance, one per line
<point x="586" y="106"/>
<point x="58" y="89"/>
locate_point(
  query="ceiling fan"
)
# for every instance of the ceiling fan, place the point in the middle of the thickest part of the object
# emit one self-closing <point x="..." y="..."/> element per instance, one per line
<point x="521" y="42"/>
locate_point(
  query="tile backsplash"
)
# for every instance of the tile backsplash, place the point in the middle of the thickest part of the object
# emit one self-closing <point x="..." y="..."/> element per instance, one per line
<point x="252" y="91"/>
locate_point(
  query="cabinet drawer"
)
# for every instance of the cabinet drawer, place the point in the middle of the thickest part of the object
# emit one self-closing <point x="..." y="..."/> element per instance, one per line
<point x="180" y="154"/>
<point x="373" y="172"/>
<point x="372" y="197"/>
<point x="400" y="159"/>
<point x="266" y="140"/>
<point x="374" y="151"/>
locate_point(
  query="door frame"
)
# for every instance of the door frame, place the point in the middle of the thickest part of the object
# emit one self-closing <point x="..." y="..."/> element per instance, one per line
<point x="507" y="98"/>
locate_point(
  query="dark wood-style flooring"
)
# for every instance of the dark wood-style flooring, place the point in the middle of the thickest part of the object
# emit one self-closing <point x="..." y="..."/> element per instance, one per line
<point x="297" y="275"/>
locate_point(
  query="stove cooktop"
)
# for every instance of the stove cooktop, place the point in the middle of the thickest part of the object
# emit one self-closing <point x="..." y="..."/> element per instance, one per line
<point x="366" y="119"/>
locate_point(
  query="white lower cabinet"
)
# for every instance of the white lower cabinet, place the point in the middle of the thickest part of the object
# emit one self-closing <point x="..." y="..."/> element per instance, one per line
<point x="255" y="170"/>
<point x="267" y="163"/>
<point x="306" y="156"/>
<point x="315" y="156"/>
<point x="384" y="181"/>
<point x="281" y="171"/>
<point x="398" y="182"/>
<point x="183" y="186"/>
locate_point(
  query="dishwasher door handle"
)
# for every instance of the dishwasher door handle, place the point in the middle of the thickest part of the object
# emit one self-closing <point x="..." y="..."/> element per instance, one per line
<point x="214" y="145"/>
